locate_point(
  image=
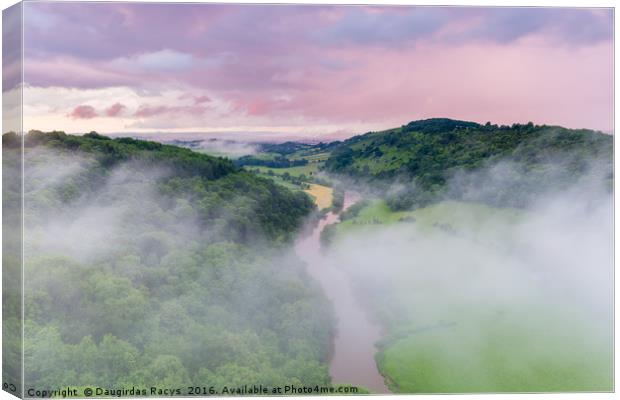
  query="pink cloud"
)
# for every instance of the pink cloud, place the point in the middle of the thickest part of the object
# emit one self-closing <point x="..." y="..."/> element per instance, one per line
<point x="147" y="111"/>
<point x="83" y="112"/>
<point x="256" y="107"/>
<point x="530" y="81"/>
<point x="260" y="105"/>
<point x="381" y="66"/>
<point x="75" y="73"/>
<point x="197" y="99"/>
<point x="114" y="110"/>
<point x="201" y="99"/>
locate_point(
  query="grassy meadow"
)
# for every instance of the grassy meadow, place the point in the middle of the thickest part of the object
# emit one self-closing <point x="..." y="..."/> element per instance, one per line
<point x="439" y="345"/>
<point x="449" y="216"/>
<point x="322" y="195"/>
<point x="299" y="177"/>
<point x="307" y="170"/>
<point x="526" y="350"/>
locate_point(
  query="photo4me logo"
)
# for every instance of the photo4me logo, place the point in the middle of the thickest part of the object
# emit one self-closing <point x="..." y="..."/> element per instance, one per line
<point x="245" y="390"/>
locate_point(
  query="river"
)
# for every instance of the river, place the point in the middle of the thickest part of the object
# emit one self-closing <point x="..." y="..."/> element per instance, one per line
<point x="352" y="358"/>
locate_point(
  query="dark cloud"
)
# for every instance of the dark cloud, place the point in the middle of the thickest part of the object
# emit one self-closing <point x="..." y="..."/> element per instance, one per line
<point x="572" y="26"/>
<point x="385" y="26"/>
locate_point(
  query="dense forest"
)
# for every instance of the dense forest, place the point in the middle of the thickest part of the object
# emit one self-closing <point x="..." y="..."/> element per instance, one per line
<point x="273" y="162"/>
<point x="288" y="148"/>
<point x="153" y="265"/>
<point x="428" y="160"/>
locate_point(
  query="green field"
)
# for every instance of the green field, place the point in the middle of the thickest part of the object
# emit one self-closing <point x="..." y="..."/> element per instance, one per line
<point x="447" y="215"/>
<point x="441" y="340"/>
<point x="323" y="196"/>
<point x="309" y="169"/>
<point x="312" y="158"/>
<point x="320" y="193"/>
<point x="528" y="350"/>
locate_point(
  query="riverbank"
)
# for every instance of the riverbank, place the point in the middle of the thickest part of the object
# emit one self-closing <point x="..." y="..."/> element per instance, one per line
<point x="354" y="344"/>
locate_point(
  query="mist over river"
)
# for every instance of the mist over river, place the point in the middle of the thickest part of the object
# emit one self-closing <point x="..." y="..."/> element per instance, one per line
<point x="353" y="349"/>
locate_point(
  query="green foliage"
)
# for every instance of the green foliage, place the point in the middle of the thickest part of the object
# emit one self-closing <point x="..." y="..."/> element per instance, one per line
<point x="183" y="162"/>
<point x="171" y="270"/>
<point x="275" y="162"/>
<point x="209" y="186"/>
<point x="338" y="199"/>
<point x="11" y="261"/>
<point x="437" y="125"/>
<point x="296" y="148"/>
<point x="442" y="158"/>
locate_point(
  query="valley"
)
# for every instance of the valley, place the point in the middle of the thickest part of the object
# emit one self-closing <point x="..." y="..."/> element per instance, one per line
<point x="401" y="261"/>
<point x="457" y="202"/>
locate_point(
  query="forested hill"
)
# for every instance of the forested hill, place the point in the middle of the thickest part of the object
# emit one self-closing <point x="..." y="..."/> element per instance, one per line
<point x="149" y="265"/>
<point x="255" y="207"/>
<point x="428" y="153"/>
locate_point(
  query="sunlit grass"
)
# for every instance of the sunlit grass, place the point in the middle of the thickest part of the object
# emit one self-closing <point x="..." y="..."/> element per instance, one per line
<point x="322" y="195"/>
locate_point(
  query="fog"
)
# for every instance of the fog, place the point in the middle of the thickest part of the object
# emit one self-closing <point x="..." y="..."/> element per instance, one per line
<point x="511" y="290"/>
<point x="218" y="147"/>
<point x="563" y="249"/>
<point x="460" y="281"/>
<point x="228" y="147"/>
<point x="122" y="257"/>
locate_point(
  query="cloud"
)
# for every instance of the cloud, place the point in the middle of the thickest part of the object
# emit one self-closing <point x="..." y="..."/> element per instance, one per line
<point x="140" y="36"/>
<point x="198" y="99"/>
<point x="114" y="110"/>
<point x="371" y="65"/>
<point x="389" y="26"/>
<point x="11" y="53"/>
<point x="147" y="111"/>
<point x="569" y="26"/>
<point x="74" y="73"/>
<point x="159" y="61"/>
<point x="202" y="99"/>
<point x="83" y="112"/>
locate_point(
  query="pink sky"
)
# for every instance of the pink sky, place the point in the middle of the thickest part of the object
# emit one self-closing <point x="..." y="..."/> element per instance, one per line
<point x="312" y="70"/>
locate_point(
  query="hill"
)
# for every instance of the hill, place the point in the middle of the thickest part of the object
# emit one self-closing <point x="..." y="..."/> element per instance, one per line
<point x="152" y="265"/>
<point x="211" y="181"/>
<point x="518" y="161"/>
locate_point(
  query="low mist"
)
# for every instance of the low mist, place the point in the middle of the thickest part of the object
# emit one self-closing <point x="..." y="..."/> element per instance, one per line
<point x="230" y="148"/>
<point x="474" y="294"/>
<point x="137" y="275"/>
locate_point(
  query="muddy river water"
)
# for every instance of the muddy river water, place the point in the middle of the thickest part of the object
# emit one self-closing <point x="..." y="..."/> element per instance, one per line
<point x="352" y="359"/>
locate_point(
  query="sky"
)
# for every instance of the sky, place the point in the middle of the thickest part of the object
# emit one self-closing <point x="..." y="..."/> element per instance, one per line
<point x="315" y="71"/>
